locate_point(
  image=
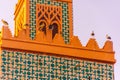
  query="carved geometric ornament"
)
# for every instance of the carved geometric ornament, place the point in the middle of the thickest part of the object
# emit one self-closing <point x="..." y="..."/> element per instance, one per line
<point x="48" y="17"/>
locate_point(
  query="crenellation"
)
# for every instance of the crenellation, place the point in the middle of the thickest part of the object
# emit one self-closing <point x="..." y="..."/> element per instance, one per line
<point x="92" y="44"/>
<point x="108" y="46"/>
<point x="6" y="33"/>
<point x="75" y="41"/>
<point x="24" y="35"/>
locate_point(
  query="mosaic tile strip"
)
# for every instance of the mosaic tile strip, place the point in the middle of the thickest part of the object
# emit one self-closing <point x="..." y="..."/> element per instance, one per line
<point x="29" y="66"/>
<point x="65" y="18"/>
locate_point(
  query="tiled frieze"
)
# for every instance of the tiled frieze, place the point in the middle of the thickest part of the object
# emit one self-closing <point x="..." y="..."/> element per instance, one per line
<point x="31" y="66"/>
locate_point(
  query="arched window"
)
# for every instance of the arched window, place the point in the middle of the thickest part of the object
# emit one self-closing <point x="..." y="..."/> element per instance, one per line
<point x="42" y="27"/>
<point x="54" y="28"/>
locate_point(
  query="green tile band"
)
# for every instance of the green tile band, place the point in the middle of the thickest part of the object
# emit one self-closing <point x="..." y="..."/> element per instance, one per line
<point x="23" y="66"/>
<point x="65" y="18"/>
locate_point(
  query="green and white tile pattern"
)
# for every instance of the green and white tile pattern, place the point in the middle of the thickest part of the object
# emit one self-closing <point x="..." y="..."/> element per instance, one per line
<point x="31" y="66"/>
<point x="65" y="18"/>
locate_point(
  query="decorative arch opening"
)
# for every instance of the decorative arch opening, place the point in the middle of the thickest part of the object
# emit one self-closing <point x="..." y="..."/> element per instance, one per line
<point x="51" y="15"/>
<point x="54" y="28"/>
<point x="42" y="27"/>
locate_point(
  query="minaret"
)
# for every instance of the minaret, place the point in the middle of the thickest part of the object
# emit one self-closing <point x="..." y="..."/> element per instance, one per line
<point x="55" y="13"/>
<point x="44" y="47"/>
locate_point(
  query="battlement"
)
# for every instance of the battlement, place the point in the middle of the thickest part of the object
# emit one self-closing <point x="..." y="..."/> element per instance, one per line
<point x="45" y="43"/>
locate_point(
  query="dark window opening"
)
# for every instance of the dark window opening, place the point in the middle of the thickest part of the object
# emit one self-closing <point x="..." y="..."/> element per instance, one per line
<point x="54" y="28"/>
<point x="42" y="27"/>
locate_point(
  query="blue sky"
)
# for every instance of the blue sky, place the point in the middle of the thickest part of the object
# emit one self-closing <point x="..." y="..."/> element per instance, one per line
<point x="100" y="16"/>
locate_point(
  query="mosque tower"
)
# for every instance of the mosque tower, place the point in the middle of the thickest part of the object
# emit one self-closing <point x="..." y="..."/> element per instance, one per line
<point x="44" y="47"/>
<point x="50" y="13"/>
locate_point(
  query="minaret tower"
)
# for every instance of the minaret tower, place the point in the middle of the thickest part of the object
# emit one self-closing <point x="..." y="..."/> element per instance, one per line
<point x="44" y="47"/>
<point x="45" y="15"/>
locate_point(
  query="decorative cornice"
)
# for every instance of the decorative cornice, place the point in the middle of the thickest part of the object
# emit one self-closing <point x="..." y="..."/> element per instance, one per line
<point x="56" y="46"/>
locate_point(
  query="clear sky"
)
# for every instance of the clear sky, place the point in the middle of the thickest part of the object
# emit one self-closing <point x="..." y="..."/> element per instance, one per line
<point x="100" y="16"/>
